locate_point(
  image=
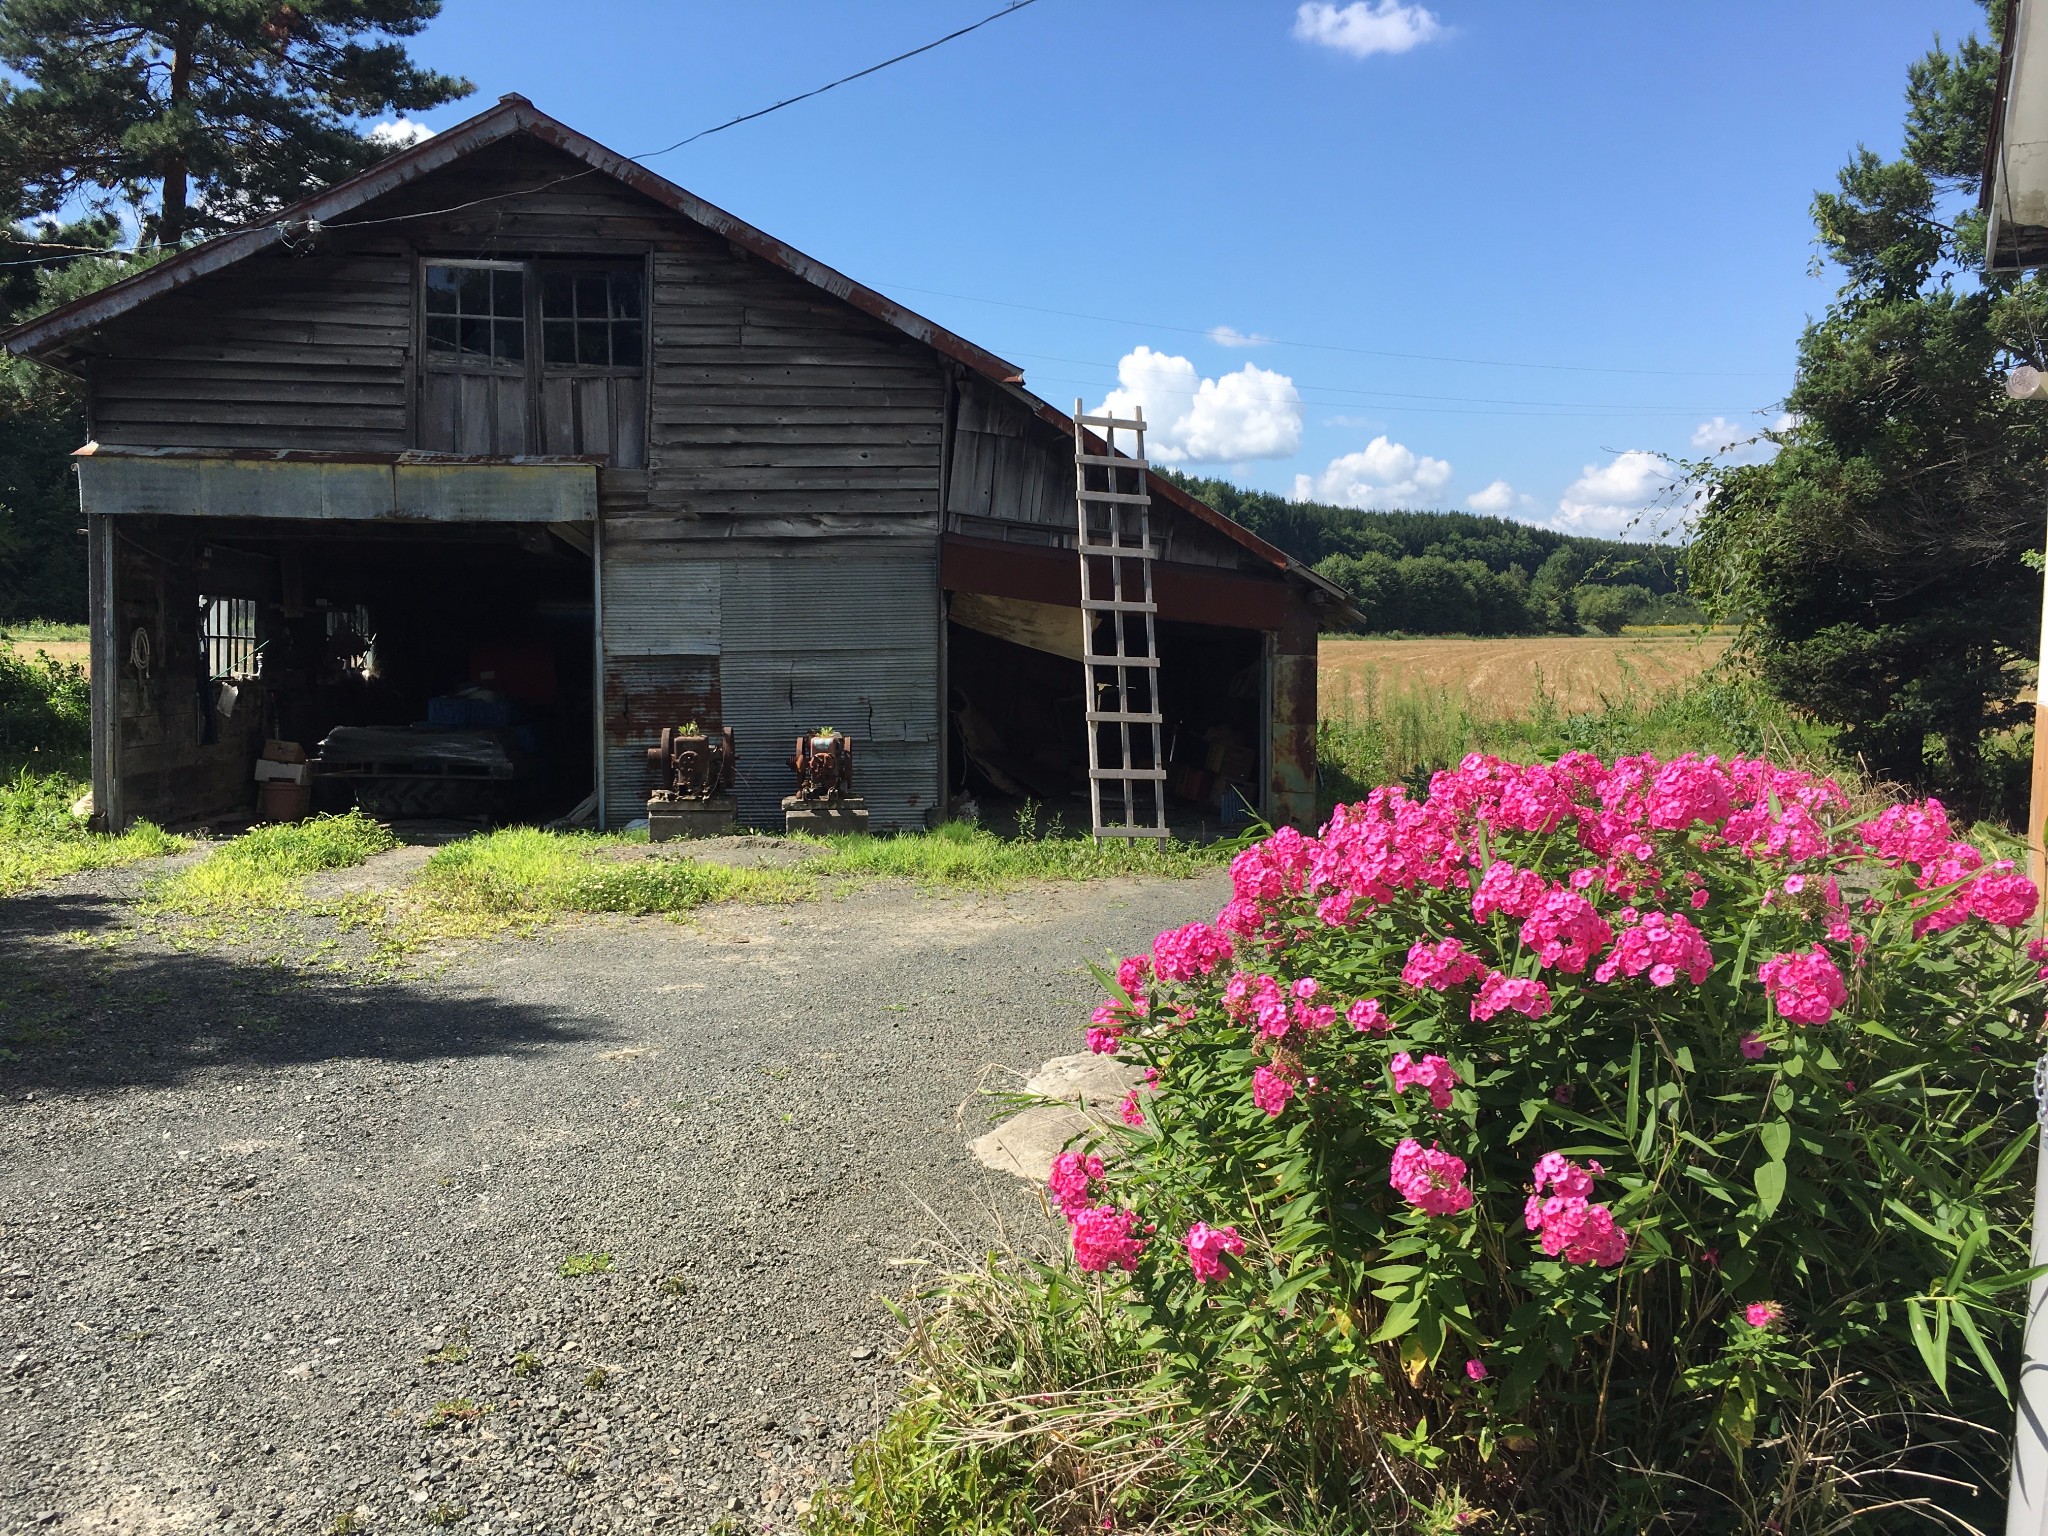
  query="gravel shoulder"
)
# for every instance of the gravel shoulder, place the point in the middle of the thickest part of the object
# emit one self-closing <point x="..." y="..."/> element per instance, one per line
<point x="242" y="1204"/>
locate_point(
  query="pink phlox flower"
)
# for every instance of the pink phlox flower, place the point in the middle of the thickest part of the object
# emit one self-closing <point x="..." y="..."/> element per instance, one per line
<point x="1568" y="1225"/>
<point x="1206" y="1246"/>
<point x="1132" y="1115"/>
<point x="1338" y="911"/>
<point x="1912" y="833"/>
<point x="1304" y="989"/>
<point x="1106" y="1032"/>
<point x="1762" y="1314"/>
<point x="1072" y="1181"/>
<point x="1508" y="890"/>
<point x="1688" y="790"/>
<point x="2004" y="900"/>
<point x="1270" y="870"/>
<point x="1501" y="993"/>
<point x="1582" y="879"/>
<point x="1368" y="1015"/>
<point x="1803" y="986"/>
<point x="1241" y="915"/>
<point x="1565" y="931"/>
<point x="1432" y="1073"/>
<point x="1272" y="1088"/>
<point x="1698" y="898"/>
<point x="1182" y="954"/>
<point x="1431" y="1179"/>
<point x="1655" y="940"/>
<point x="1105" y="1237"/>
<point x="1753" y="1046"/>
<point x="1794" y="884"/>
<point x="1440" y="966"/>
<point x="1475" y="1368"/>
<point x="1132" y="974"/>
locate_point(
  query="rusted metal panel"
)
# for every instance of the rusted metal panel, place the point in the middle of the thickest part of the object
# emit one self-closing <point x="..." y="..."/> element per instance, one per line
<point x="643" y="696"/>
<point x="323" y="486"/>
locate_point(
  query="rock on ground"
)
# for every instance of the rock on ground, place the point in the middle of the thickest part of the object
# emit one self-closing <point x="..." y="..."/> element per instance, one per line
<point x="276" y="1248"/>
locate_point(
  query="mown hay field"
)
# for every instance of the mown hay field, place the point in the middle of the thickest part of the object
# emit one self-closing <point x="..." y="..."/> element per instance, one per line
<point x="1502" y="677"/>
<point x="78" y="651"/>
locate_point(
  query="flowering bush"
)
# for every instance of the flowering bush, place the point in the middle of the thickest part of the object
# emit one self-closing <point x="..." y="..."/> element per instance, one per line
<point x="1614" y="1106"/>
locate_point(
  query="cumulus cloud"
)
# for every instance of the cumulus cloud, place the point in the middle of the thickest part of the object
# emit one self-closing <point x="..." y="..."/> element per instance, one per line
<point x="1253" y="413"/>
<point x="398" y="133"/>
<point x="1384" y="473"/>
<point x="1362" y="29"/>
<point x="1497" y="497"/>
<point x="1634" y="491"/>
<point x="1740" y="444"/>
<point x="1231" y="336"/>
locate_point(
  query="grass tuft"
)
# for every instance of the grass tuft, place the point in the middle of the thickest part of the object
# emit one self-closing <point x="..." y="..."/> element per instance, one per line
<point x="260" y="870"/>
<point x="40" y="839"/>
<point x="961" y="855"/>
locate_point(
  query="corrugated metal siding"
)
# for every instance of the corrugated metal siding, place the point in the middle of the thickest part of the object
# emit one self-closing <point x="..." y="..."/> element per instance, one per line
<point x="849" y="643"/>
<point x="661" y="607"/>
<point x="642" y="696"/>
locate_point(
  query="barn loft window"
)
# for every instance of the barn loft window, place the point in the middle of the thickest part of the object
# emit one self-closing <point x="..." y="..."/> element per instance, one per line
<point x="227" y="636"/>
<point x="486" y="389"/>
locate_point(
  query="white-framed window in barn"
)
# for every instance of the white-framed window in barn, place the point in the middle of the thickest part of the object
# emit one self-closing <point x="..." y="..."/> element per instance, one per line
<point x="227" y="636"/>
<point x="544" y="357"/>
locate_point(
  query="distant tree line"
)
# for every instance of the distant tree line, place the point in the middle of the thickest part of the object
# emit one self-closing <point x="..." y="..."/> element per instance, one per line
<point x="1440" y="573"/>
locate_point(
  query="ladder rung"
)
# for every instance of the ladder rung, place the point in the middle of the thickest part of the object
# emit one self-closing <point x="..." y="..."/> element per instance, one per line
<point x="1122" y="423"/>
<point x="1120" y="551"/>
<point x="1089" y="659"/>
<point x="1123" y="717"/>
<point x="1126" y="773"/>
<point x="1133" y="832"/>
<point x="1130" y="497"/>
<point x="1112" y="605"/>
<point x="1108" y="461"/>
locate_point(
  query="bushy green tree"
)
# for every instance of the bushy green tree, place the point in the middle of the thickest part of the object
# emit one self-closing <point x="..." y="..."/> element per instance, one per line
<point x="1877" y="558"/>
<point x="209" y="111"/>
<point x="1607" y="609"/>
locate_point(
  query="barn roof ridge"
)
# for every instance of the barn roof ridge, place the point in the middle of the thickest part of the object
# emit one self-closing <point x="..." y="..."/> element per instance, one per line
<point x="513" y="114"/>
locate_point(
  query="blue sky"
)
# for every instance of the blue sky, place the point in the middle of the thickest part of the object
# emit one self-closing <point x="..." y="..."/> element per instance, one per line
<point x="1505" y="253"/>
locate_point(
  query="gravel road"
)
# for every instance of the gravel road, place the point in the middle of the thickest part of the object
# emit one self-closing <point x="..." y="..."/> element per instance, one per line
<point x="279" y="1253"/>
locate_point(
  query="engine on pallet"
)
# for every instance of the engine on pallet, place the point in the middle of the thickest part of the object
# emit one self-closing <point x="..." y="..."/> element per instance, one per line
<point x="824" y="800"/>
<point x="697" y="767"/>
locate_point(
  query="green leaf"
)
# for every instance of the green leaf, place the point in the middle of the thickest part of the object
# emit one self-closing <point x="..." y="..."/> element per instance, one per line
<point x="1776" y="1136"/>
<point x="1770" y="1187"/>
<point x="1968" y="1325"/>
<point x="1923" y="1340"/>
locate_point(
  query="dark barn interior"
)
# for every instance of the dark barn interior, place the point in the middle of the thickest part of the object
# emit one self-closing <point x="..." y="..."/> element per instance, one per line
<point x="446" y="668"/>
<point x="1016" y="718"/>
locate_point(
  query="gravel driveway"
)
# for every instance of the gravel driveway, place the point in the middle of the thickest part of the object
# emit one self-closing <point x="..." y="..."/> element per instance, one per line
<point x="285" y="1253"/>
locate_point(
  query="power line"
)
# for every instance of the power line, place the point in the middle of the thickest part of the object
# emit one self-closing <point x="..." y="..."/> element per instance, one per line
<point x="1318" y="346"/>
<point x="748" y="117"/>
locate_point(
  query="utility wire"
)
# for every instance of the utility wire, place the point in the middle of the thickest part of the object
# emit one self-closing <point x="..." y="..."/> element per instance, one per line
<point x="748" y="117"/>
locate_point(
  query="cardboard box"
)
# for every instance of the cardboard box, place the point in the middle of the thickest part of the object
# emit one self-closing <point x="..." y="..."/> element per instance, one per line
<point x="269" y="771"/>
<point x="283" y="752"/>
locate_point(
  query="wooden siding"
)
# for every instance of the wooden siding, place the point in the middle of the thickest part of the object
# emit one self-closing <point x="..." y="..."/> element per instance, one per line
<point x="773" y="412"/>
<point x="1012" y="478"/>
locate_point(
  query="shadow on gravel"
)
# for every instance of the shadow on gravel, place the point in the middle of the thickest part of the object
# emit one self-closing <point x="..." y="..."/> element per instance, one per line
<point x="82" y="1016"/>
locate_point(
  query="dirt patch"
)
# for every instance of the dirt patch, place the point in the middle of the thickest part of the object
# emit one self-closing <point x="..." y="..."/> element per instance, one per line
<point x="736" y="852"/>
<point x="1502" y="676"/>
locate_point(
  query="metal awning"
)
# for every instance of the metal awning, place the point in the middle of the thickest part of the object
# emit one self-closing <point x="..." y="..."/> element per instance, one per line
<point x="2016" y="165"/>
<point x="396" y="487"/>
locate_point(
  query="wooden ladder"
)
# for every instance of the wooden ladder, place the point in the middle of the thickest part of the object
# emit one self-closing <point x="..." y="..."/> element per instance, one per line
<point x="1113" y="525"/>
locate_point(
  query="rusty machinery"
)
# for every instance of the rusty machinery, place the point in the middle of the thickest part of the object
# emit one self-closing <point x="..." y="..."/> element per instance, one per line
<point x="824" y="765"/>
<point x="695" y="763"/>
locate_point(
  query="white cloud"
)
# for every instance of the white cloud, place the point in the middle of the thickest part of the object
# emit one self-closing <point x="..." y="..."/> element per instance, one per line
<point x="1633" y="493"/>
<point x="1231" y="336"/>
<point x="1362" y="29"/>
<point x="1253" y="413"/>
<point x="399" y="133"/>
<point x="1497" y="497"/>
<point x="1737" y="443"/>
<point x="1382" y="474"/>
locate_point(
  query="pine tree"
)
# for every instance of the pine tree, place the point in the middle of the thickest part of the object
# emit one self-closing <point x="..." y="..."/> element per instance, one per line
<point x="1879" y="560"/>
<point x="204" y="112"/>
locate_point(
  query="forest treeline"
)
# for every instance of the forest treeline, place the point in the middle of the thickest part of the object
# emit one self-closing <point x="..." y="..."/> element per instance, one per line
<point x="1443" y="573"/>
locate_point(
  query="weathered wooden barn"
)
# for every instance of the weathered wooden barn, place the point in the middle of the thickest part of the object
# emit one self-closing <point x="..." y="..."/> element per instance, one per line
<point x="510" y="429"/>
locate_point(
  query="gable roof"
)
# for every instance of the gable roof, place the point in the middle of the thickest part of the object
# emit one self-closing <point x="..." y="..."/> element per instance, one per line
<point x="514" y="115"/>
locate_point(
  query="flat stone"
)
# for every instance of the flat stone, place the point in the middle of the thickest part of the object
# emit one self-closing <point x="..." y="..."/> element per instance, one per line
<point x="1092" y="1079"/>
<point x="1026" y="1144"/>
<point x="849" y="814"/>
<point x="669" y="819"/>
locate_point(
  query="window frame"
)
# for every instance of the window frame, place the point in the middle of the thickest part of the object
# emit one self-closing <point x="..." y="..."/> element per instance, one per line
<point x="469" y="362"/>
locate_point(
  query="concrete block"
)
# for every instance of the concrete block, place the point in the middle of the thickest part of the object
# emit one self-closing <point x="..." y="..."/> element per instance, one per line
<point x="669" y="819"/>
<point x="849" y="814"/>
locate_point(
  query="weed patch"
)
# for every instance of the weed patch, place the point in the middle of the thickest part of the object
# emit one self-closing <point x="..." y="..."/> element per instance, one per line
<point x="40" y="839"/>
<point x="961" y="855"/>
<point x="579" y="1264"/>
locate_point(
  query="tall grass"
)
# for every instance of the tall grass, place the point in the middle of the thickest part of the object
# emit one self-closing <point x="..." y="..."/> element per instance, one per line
<point x="1389" y="732"/>
<point x="40" y="839"/>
